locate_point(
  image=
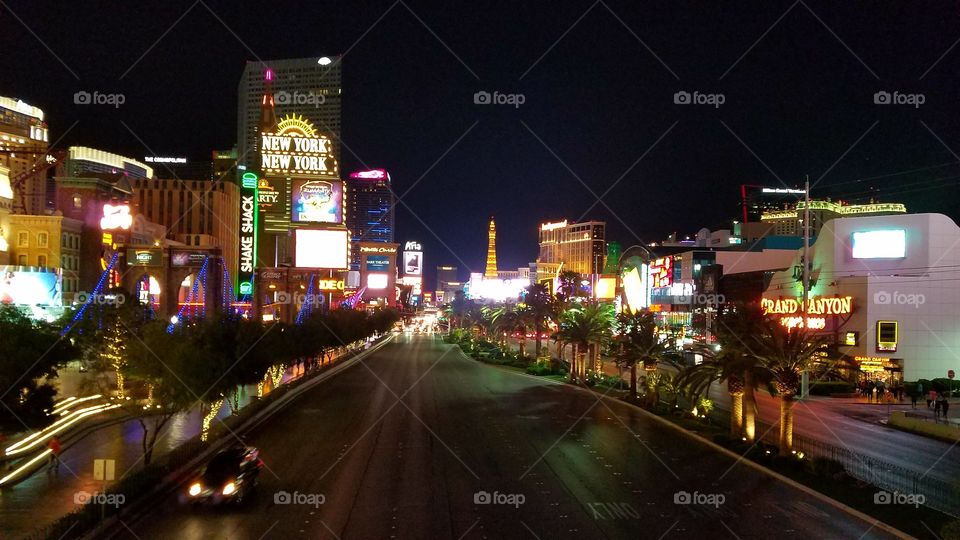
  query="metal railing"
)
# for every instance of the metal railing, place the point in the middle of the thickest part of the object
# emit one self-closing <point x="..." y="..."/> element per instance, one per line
<point x="938" y="494"/>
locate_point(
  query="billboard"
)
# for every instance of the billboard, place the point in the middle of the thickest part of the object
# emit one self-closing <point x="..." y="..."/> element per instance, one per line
<point x="145" y="257"/>
<point x="187" y="258"/>
<point x="378" y="263"/>
<point x="271" y="195"/>
<point x="882" y="244"/>
<point x="372" y="174"/>
<point x="29" y="288"/>
<point x="296" y="148"/>
<point x="377" y="281"/>
<point x="413" y="263"/>
<point x="316" y="248"/>
<point x="317" y="201"/>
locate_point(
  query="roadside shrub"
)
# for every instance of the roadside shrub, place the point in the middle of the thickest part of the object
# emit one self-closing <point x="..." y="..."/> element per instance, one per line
<point x="825" y="388"/>
<point x="821" y="466"/>
<point x="951" y="531"/>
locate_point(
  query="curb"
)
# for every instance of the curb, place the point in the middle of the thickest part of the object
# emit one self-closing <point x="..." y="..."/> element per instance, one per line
<point x="876" y="523"/>
<point x="109" y="528"/>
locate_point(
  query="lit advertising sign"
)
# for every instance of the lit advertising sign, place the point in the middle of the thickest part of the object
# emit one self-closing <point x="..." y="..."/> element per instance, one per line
<point x="317" y="201"/>
<point x="635" y="288"/>
<point x="21" y="287"/>
<point x="269" y="198"/>
<point x="187" y="258"/>
<point x="330" y="284"/>
<point x="890" y="244"/>
<point x="818" y="305"/>
<point x="553" y="226"/>
<point x="661" y="272"/>
<point x="295" y="148"/>
<point x="316" y="248"/>
<point x="248" y="232"/>
<point x="378" y="263"/>
<point x="412" y="245"/>
<point x="116" y="217"/>
<point x="373" y="174"/>
<point x="377" y="249"/>
<point x="606" y="288"/>
<point x="412" y="263"/>
<point x="144" y="257"/>
<point x="377" y="281"/>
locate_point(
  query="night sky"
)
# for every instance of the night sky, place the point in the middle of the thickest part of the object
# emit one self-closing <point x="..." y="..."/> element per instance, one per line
<point x="599" y="78"/>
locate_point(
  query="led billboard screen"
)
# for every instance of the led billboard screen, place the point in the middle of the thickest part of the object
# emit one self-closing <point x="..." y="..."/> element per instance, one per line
<point x="378" y="263"/>
<point x="412" y="263"/>
<point x="317" y="201"/>
<point x="27" y="288"/>
<point x="888" y="244"/>
<point x="321" y="248"/>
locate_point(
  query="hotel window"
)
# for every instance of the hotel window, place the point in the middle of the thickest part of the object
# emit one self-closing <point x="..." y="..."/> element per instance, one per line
<point x="22" y="260"/>
<point x="23" y="239"/>
<point x="41" y="260"/>
<point x="42" y="240"/>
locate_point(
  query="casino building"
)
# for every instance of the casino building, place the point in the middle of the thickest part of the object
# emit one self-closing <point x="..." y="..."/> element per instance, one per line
<point x="885" y="289"/>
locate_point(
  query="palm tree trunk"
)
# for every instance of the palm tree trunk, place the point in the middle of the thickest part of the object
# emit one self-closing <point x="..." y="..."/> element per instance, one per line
<point x="633" y="381"/>
<point x="573" y="362"/>
<point x="786" y="424"/>
<point x="736" y="414"/>
<point x="537" y="329"/>
<point x="749" y="408"/>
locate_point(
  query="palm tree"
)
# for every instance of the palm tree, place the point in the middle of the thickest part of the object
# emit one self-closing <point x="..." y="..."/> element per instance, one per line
<point x="640" y="343"/>
<point x="511" y="319"/>
<point x="717" y="366"/>
<point x="570" y="284"/>
<point x="585" y="327"/>
<point x="786" y="354"/>
<point x="540" y="302"/>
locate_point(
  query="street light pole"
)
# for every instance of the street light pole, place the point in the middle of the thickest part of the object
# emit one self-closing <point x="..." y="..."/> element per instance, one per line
<point x="805" y="376"/>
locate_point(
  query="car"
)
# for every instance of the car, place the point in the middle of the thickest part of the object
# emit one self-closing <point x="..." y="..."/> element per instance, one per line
<point x="229" y="477"/>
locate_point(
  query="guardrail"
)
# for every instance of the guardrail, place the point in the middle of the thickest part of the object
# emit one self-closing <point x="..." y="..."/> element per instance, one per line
<point x="938" y="494"/>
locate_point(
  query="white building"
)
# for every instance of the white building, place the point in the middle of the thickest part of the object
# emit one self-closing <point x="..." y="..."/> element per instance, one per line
<point x="902" y="276"/>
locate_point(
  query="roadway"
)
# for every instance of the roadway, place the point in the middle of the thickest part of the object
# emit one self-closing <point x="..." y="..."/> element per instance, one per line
<point x="412" y="467"/>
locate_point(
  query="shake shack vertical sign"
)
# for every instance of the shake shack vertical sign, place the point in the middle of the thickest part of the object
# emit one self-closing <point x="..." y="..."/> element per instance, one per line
<point x="248" y="232"/>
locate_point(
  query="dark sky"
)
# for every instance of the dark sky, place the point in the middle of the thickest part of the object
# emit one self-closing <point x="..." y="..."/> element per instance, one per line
<point x="798" y="81"/>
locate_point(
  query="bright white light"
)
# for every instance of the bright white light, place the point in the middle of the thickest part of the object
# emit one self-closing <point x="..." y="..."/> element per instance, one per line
<point x="324" y="61"/>
<point x="195" y="490"/>
<point x="321" y="248"/>
<point x="376" y="281"/>
<point x="174" y="319"/>
<point x="229" y="488"/>
<point x="888" y="244"/>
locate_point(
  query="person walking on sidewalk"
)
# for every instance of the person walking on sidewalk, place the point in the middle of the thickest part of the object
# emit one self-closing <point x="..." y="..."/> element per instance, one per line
<point x="870" y="388"/>
<point x="931" y="397"/>
<point x="913" y="398"/>
<point x="942" y="404"/>
<point x="54" y="446"/>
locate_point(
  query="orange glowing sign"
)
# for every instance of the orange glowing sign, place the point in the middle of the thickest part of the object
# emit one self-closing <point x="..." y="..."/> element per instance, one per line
<point x="661" y="272"/>
<point x="818" y="305"/>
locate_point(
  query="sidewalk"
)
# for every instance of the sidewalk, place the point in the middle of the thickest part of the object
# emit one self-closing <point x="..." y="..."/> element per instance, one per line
<point x="45" y="496"/>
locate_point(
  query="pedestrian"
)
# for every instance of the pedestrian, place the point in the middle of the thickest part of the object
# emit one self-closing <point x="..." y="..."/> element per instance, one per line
<point x="871" y="386"/>
<point x="942" y="404"/>
<point x="913" y="398"/>
<point x="937" y="406"/>
<point x="54" y="446"/>
<point x="931" y="397"/>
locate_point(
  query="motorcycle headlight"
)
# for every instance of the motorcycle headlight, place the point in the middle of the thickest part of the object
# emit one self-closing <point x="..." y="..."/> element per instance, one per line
<point x="229" y="488"/>
<point x="195" y="489"/>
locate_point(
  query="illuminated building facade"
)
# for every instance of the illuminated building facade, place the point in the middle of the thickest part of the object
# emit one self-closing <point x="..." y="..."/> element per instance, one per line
<point x="308" y="87"/>
<point x="884" y="289"/>
<point x="378" y="273"/>
<point x="50" y="243"/>
<point x="199" y="213"/>
<point x="578" y="247"/>
<point x="491" y="268"/>
<point x="789" y="222"/>
<point x="370" y="216"/>
<point x="82" y="161"/>
<point x="6" y="208"/>
<point x="23" y="143"/>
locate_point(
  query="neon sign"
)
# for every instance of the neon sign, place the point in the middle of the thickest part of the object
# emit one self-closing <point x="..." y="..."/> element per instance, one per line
<point x="412" y="246"/>
<point x="330" y="284"/>
<point x="296" y="148"/>
<point x="373" y="174"/>
<point x="553" y="226"/>
<point x="248" y="232"/>
<point x="116" y="217"/>
<point x="661" y="272"/>
<point x="818" y="305"/>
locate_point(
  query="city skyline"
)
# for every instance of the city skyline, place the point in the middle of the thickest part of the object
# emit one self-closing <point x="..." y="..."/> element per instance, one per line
<point x="841" y="132"/>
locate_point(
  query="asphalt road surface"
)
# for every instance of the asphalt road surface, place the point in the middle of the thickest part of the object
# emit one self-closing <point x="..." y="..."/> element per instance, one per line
<point x="473" y="451"/>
